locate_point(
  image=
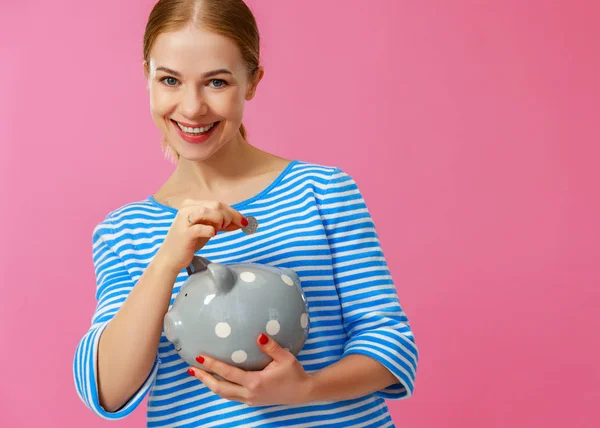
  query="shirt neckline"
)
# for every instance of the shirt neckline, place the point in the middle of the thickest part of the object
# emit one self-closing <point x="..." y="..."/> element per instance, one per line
<point x="241" y="204"/>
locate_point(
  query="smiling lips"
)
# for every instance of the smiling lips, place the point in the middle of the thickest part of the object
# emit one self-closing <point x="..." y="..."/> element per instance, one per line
<point x="194" y="134"/>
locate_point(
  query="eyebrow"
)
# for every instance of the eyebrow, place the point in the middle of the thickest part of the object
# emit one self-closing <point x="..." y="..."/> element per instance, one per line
<point x="204" y="75"/>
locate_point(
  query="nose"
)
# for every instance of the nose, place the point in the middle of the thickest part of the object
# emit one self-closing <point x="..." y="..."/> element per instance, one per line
<point x="193" y="103"/>
<point x="172" y="327"/>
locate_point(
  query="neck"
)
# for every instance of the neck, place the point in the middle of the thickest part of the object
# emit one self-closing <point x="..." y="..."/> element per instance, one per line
<point x="235" y="159"/>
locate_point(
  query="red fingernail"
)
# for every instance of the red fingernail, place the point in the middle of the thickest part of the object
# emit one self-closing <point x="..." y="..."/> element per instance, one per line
<point x="200" y="359"/>
<point x="263" y="339"/>
<point x="191" y="372"/>
<point x="244" y="222"/>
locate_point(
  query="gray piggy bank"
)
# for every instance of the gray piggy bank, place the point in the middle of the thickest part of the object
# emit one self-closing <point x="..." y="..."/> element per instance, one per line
<point x="221" y="310"/>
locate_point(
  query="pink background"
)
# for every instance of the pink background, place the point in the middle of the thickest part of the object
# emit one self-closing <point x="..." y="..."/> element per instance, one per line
<point x="470" y="126"/>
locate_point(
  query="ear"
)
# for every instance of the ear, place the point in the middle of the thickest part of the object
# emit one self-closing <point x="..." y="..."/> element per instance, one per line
<point x="223" y="276"/>
<point x="258" y="75"/>
<point x="289" y="272"/>
<point x="146" y="70"/>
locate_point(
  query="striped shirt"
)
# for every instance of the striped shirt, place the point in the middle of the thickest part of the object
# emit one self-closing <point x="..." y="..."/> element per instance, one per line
<point x="314" y="220"/>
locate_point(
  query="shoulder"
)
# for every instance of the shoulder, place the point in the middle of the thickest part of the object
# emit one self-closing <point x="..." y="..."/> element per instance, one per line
<point x="125" y="216"/>
<point x="331" y="185"/>
<point x="325" y="175"/>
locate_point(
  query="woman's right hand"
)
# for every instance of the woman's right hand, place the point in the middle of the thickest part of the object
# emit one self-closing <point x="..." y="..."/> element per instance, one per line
<point x="195" y="223"/>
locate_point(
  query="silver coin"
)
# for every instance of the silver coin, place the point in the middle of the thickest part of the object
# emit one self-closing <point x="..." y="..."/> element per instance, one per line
<point x="252" y="225"/>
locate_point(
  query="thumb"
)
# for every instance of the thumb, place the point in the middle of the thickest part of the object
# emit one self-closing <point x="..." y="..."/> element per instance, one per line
<point x="272" y="348"/>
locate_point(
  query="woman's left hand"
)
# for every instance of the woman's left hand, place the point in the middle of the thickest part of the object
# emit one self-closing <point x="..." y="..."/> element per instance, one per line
<point x="283" y="381"/>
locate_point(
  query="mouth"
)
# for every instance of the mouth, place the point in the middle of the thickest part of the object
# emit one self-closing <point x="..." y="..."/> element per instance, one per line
<point x="195" y="133"/>
<point x="195" y="130"/>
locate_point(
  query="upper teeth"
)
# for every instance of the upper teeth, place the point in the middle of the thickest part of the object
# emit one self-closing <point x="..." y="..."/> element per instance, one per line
<point x="195" y="130"/>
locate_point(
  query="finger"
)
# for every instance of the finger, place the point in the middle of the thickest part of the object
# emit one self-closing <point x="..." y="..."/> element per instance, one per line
<point x="225" y="210"/>
<point x="233" y="216"/>
<point x="230" y="227"/>
<point x="226" y="371"/>
<point x="202" y="231"/>
<point x="272" y="348"/>
<point x="232" y="219"/>
<point x="227" y="219"/>
<point x="222" y="388"/>
<point x="204" y="215"/>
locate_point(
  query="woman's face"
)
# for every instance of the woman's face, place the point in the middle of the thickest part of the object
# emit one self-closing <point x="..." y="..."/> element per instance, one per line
<point x="197" y="80"/>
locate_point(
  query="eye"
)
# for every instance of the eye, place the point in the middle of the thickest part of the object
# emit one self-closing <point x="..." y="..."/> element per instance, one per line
<point x="169" y="81"/>
<point x="219" y="83"/>
<point x="185" y="295"/>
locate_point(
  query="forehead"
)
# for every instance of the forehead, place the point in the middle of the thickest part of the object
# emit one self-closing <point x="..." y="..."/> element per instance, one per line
<point x="193" y="50"/>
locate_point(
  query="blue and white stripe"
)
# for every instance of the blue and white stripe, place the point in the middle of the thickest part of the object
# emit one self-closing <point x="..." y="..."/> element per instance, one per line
<point x="313" y="219"/>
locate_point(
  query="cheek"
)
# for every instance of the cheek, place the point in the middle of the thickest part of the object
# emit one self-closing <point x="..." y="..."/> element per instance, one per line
<point x="228" y="105"/>
<point x="160" y="101"/>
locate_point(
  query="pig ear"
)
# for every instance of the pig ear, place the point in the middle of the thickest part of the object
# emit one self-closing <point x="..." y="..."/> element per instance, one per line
<point x="223" y="276"/>
<point x="291" y="274"/>
<point x="198" y="264"/>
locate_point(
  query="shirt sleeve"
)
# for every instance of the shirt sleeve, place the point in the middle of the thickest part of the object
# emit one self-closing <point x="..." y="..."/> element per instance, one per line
<point x="113" y="285"/>
<point x="374" y="321"/>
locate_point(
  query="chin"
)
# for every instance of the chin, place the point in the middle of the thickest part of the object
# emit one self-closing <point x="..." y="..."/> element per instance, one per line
<point x="199" y="154"/>
<point x="195" y="157"/>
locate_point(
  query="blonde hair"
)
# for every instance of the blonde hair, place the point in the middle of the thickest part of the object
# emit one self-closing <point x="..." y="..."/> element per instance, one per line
<point x="229" y="18"/>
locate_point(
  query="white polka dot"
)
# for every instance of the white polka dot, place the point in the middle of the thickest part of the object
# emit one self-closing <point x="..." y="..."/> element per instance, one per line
<point x="239" y="356"/>
<point x="273" y="327"/>
<point x="222" y="330"/>
<point x="304" y="320"/>
<point x="289" y="281"/>
<point x="248" y="277"/>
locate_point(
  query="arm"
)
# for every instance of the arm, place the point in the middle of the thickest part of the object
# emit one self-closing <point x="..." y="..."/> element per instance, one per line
<point x="375" y="323"/>
<point x="128" y="346"/>
<point x="116" y="361"/>
<point x="334" y="384"/>
<point x="380" y="355"/>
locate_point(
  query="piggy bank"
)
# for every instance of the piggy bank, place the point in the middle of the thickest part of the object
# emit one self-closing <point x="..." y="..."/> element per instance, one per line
<point x="221" y="309"/>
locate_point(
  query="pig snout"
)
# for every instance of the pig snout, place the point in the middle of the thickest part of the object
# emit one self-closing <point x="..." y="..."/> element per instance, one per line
<point x="173" y="328"/>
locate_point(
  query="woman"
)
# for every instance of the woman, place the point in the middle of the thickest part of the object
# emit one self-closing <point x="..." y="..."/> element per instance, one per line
<point x="201" y="61"/>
